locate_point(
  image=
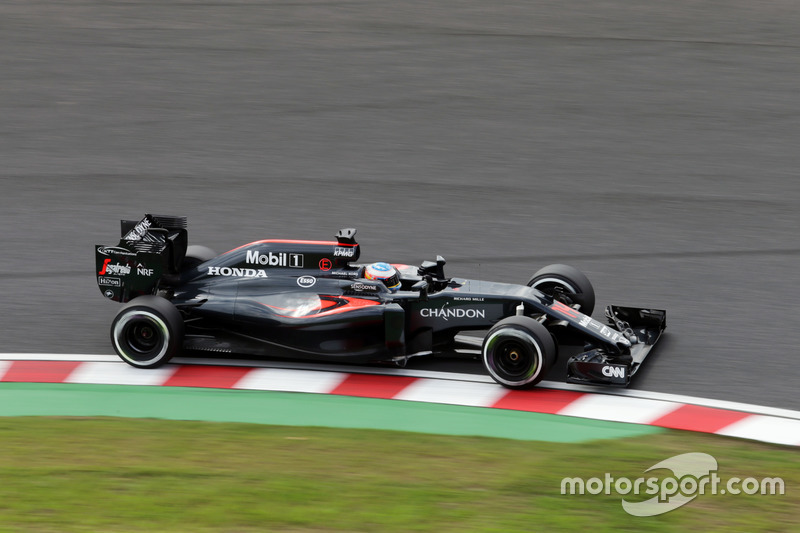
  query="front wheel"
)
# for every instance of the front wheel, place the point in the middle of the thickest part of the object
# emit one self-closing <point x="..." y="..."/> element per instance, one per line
<point x="518" y="352"/>
<point x="566" y="284"/>
<point x="147" y="332"/>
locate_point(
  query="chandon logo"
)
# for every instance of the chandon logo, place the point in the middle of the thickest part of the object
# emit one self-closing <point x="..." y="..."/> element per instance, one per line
<point x="445" y="312"/>
<point x="239" y="272"/>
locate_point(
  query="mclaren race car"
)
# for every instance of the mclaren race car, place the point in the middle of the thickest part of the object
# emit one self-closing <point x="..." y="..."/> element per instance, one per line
<point x="312" y="300"/>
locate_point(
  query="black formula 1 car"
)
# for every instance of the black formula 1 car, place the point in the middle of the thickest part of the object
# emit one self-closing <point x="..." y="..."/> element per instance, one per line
<point x="312" y="300"/>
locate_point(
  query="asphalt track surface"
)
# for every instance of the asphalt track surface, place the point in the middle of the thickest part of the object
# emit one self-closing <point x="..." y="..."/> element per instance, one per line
<point x="652" y="145"/>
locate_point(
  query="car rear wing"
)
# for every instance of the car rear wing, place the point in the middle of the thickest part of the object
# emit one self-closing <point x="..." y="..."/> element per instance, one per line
<point x="149" y="251"/>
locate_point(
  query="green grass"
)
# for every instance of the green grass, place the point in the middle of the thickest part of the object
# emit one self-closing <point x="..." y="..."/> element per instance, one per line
<point x="77" y="474"/>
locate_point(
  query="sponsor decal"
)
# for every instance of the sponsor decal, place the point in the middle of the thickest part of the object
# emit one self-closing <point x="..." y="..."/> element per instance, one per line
<point x="585" y="321"/>
<point x="109" y="282"/>
<point x="364" y="287"/>
<point x="570" y="312"/>
<point x="236" y="272"/>
<point x="144" y="271"/>
<point x="614" y="335"/>
<point x="109" y="293"/>
<point x="446" y="313"/>
<point x="139" y="231"/>
<point x="115" y="269"/>
<point x="607" y="332"/>
<point x="306" y="281"/>
<point x="345" y="274"/>
<point x="613" y="371"/>
<point x="344" y="252"/>
<point x="468" y="299"/>
<point x="114" y="250"/>
<point x="325" y="264"/>
<point x="280" y="259"/>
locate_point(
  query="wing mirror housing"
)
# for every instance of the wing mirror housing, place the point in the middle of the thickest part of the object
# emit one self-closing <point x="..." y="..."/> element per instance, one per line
<point x="435" y="269"/>
<point x="422" y="287"/>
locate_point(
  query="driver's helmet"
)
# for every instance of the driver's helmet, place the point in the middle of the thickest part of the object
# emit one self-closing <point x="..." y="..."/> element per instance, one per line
<point x="383" y="272"/>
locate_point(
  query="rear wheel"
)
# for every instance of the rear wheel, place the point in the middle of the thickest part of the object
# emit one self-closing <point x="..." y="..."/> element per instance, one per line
<point x="147" y="332"/>
<point x="518" y="352"/>
<point x="566" y="284"/>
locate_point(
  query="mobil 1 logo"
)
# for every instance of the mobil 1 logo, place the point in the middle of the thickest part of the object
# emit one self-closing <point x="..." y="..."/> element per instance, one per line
<point x="280" y="259"/>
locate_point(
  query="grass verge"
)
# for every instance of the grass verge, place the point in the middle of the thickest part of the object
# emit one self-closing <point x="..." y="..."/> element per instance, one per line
<point x="110" y="474"/>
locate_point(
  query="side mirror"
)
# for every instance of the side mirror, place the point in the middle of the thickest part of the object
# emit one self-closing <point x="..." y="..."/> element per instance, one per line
<point x="435" y="269"/>
<point x="421" y="287"/>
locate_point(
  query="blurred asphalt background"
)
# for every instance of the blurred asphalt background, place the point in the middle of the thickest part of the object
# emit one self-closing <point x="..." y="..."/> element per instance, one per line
<point x="653" y="145"/>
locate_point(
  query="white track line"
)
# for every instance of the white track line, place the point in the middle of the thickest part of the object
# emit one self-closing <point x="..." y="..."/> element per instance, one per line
<point x="767" y="429"/>
<point x="58" y="357"/>
<point x="4" y="365"/>
<point x="679" y="398"/>
<point x="102" y="373"/>
<point x="289" y="380"/>
<point x="618" y="409"/>
<point x="452" y="392"/>
<point x="129" y="373"/>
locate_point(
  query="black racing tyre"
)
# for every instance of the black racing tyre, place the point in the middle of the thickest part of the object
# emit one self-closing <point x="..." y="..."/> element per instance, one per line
<point x="195" y="255"/>
<point x="518" y="352"/>
<point x="569" y="282"/>
<point x="147" y="332"/>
